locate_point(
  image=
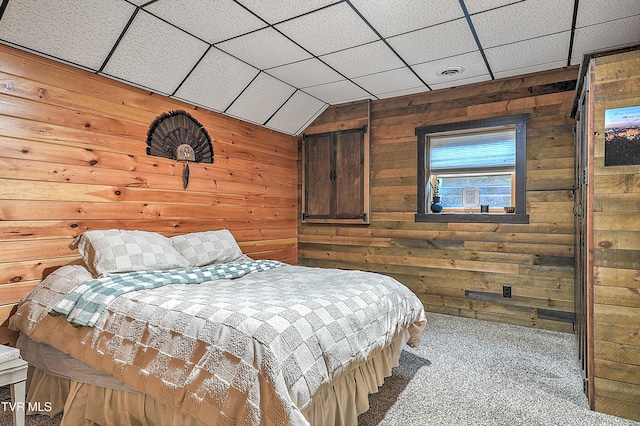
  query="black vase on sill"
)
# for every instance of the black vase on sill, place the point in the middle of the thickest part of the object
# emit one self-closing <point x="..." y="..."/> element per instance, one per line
<point x="436" y="205"/>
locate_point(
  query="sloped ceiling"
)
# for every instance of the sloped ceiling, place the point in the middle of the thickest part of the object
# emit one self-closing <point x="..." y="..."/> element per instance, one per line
<point x="280" y="63"/>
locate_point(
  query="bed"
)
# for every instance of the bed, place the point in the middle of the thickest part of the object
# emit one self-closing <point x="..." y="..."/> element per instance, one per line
<point x="188" y="330"/>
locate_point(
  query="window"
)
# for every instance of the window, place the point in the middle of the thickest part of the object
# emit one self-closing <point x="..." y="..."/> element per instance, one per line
<point x="336" y="184"/>
<point x="464" y="166"/>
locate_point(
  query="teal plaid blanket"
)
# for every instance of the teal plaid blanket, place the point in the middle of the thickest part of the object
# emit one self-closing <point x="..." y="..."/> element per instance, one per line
<point x="85" y="303"/>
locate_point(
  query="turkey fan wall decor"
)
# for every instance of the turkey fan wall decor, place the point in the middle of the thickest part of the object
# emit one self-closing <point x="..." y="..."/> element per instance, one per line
<point x="179" y="136"/>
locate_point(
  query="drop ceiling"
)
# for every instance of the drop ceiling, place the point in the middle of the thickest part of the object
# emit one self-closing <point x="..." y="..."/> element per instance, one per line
<point x="280" y="63"/>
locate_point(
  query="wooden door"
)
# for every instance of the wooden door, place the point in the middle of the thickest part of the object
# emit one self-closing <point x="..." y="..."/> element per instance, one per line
<point x="583" y="277"/>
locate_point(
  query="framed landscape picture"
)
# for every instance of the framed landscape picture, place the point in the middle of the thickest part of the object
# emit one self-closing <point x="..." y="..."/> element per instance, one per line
<point x="622" y="136"/>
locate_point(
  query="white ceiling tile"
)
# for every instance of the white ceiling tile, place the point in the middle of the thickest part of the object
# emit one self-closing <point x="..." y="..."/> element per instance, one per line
<point x="471" y="63"/>
<point x="81" y="32"/>
<point x="592" y="12"/>
<point x="362" y="60"/>
<point x="522" y="21"/>
<point x="264" y="49"/>
<point x="389" y="81"/>
<point x="217" y="80"/>
<point x="154" y="54"/>
<point x="437" y="42"/>
<point x="311" y="119"/>
<point x="311" y="72"/>
<point x="274" y="12"/>
<point x="210" y="20"/>
<point x="530" y="69"/>
<point x="328" y="30"/>
<point x="606" y="36"/>
<point x="395" y="17"/>
<point x="404" y="92"/>
<point x="296" y="112"/>
<point x="529" y="53"/>
<point x="475" y="6"/>
<point x="261" y="99"/>
<point x="338" y="92"/>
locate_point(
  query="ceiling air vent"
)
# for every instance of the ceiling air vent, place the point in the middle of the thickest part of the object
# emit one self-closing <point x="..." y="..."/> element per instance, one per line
<point x="450" y="72"/>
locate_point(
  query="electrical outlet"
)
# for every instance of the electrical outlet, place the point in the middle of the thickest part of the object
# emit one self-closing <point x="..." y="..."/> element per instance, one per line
<point x="506" y="291"/>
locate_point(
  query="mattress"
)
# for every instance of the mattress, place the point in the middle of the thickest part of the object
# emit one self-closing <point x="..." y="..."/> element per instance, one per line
<point x="265" y="348"/>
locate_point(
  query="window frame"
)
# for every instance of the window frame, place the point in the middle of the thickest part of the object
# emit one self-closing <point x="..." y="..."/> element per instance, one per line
<point x="423" y="134"/>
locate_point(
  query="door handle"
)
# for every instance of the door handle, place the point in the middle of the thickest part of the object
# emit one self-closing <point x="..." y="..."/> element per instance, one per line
<point x="577" y="209"/>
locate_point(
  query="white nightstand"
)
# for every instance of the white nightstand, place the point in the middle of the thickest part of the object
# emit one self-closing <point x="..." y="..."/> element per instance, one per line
<point x="13" y="371"/>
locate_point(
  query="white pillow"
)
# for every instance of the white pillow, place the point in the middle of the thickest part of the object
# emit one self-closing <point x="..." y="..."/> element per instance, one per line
<point x="115" y="251"/>
<point x="208" y="247"/>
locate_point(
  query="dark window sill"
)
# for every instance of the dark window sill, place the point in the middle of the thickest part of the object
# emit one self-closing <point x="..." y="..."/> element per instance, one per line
<point x="473" y="217"/>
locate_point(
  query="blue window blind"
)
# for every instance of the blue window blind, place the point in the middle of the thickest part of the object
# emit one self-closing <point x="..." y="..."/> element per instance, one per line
<point x="495" y="149"/>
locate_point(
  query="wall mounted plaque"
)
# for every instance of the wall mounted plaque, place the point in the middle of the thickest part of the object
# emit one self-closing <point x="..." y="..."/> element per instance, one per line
<point x="179" y="136"/>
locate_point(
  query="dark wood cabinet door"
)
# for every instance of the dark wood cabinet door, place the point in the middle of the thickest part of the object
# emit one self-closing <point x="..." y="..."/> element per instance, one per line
<point x="318" y="176"/>
<point x="349" y="172"/>
<point x="335" y="177"/>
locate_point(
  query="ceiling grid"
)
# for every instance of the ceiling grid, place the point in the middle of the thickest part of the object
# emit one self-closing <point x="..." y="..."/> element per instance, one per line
<point x="280" y="63"/>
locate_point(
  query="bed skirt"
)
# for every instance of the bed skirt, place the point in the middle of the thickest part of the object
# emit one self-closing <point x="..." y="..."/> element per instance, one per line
<point x="339" y="403"/>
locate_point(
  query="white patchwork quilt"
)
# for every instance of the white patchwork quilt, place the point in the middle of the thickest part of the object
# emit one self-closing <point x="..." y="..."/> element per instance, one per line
<point x="251" y="350"/>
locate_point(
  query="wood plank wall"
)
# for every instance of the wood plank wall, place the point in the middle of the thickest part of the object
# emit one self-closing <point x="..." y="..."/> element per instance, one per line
<point x="440" y="261"/>
<point x="616" y="248"/>
<point x="73" y="158"/>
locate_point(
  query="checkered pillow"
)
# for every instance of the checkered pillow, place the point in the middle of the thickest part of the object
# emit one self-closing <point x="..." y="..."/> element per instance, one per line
<point x="115" y="251"/>
<point x="208" y="247"/>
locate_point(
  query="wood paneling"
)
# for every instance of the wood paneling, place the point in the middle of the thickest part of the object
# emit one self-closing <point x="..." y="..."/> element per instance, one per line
<point x="440" y="261"/>
<point x="73" y="158"/>
<point x="616" y="248"/>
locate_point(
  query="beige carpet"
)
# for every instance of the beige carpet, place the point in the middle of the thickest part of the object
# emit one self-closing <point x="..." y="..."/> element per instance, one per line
<point x="480" y="373"/>
<point x="470" y="372"/>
